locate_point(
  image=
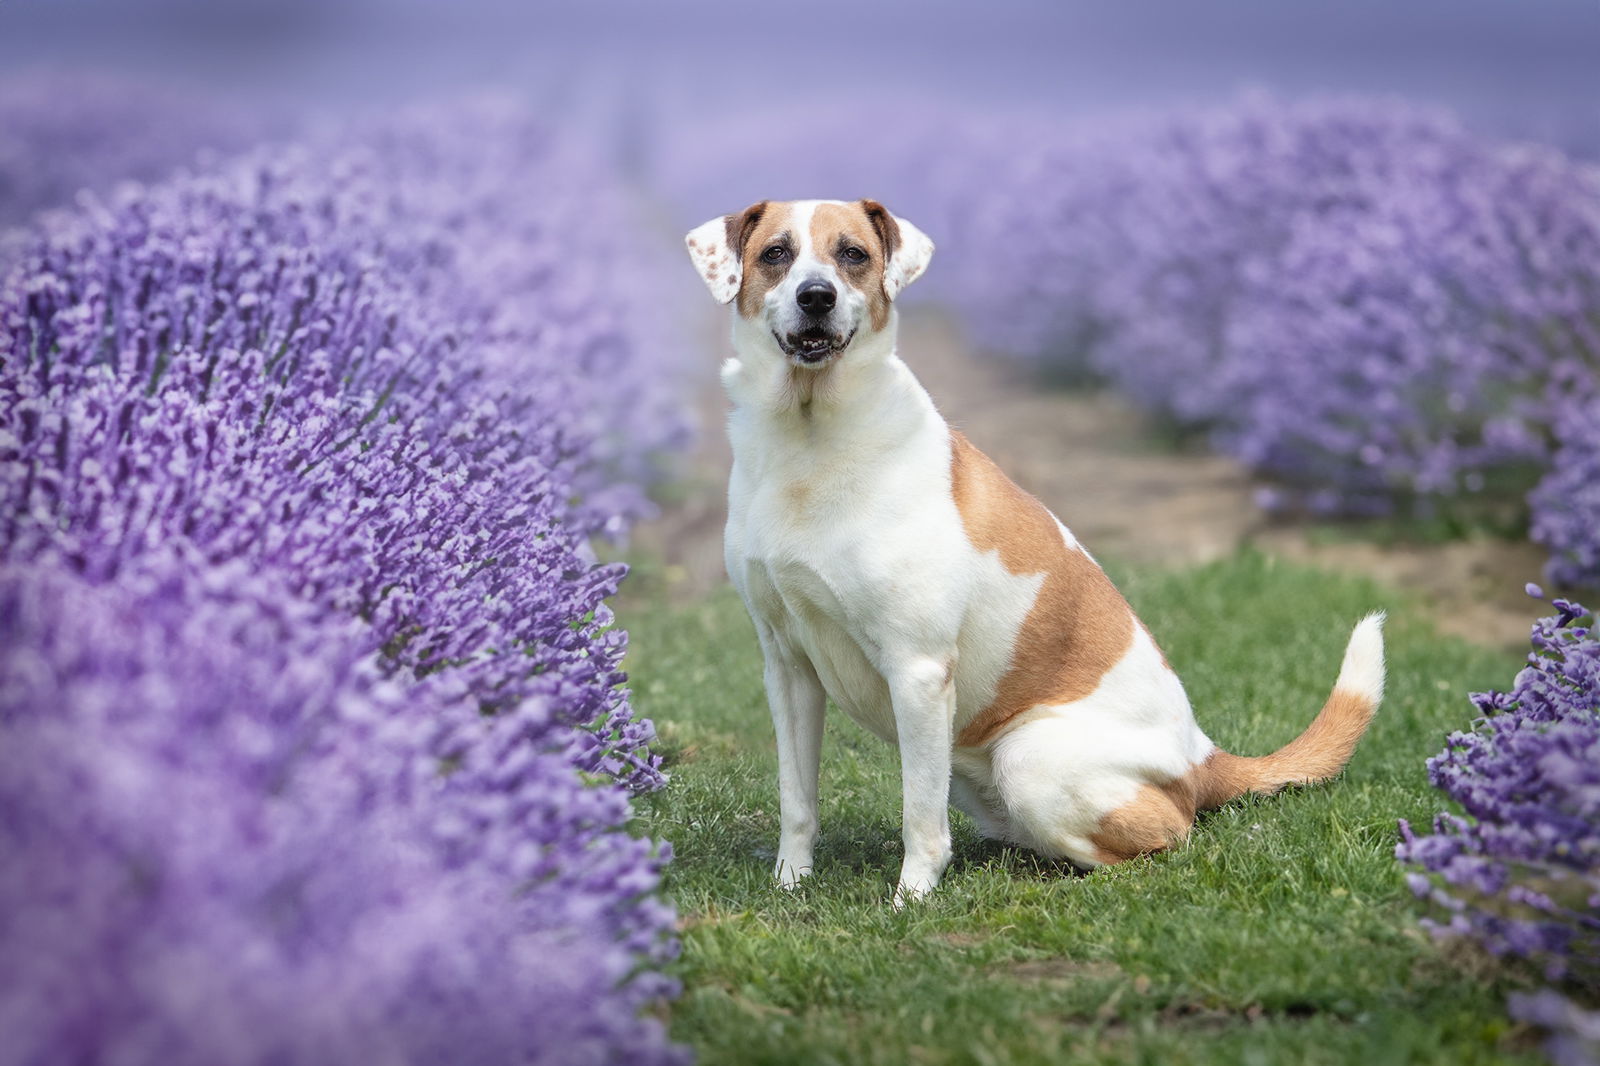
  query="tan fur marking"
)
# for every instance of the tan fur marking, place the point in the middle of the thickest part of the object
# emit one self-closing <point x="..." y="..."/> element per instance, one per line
<point x="759" y="276"/>
<point x="1079" y="626"/>
<point x="834" y="226"/>
<point x="1156" y="818"/>
<point x="1315" y="755"/>
<point x="798" y="494"/>
<point x="1161" y="814"/>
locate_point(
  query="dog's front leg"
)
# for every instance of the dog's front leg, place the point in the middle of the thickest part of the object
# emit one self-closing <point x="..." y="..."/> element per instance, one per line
<point x="796" y="699"/>
<point x="924" y="709"/>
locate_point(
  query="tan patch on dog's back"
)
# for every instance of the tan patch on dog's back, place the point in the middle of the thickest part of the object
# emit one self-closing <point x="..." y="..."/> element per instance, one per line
<point x="1079" y="626"/>
<point x="837" y="226"/>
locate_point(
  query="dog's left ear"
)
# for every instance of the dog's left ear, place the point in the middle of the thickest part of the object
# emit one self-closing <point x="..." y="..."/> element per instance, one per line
<point x="906" y="248"/>
<point x="717" y="248"/>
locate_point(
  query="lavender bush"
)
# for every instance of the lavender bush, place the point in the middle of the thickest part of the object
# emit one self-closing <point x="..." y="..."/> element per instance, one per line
<point x="1518" y="870"/>
<point x="1566" y="503"/>
<point x="1573" y="1034"/>
<point x="229" y="838"/>
<point x="1359" y="299"/>
<point x="316" y="746"/>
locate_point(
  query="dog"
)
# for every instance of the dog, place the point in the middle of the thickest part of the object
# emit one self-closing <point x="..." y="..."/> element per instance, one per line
<point x="888" y="564"/>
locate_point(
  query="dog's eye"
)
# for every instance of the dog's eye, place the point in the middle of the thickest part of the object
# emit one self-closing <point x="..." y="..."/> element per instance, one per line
<point x="854" y="254"/>
<point x="775" y="254"/>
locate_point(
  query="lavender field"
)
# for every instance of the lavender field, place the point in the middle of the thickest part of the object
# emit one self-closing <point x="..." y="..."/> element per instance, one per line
<point x="320" y="411"/>
<point x="312" y="709"/>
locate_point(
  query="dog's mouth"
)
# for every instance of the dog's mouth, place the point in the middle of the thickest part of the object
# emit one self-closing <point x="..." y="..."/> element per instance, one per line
<point x="813" y="345"/>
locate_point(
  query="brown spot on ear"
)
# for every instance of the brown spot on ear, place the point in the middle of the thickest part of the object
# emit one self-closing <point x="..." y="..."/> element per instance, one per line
<point x="740" y="226"/>
<point x="1079" y="626"/>
<point x="888" y="234"/>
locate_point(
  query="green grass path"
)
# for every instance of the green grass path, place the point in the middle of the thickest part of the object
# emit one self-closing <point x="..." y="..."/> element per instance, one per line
<point x="1281" y="933"/>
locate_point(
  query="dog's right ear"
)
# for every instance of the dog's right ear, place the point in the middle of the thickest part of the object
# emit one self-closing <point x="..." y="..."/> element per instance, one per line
<point x="717" y="248"/>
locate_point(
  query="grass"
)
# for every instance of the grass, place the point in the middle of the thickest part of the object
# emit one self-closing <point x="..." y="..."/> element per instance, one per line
<point x="1281" y="933"/>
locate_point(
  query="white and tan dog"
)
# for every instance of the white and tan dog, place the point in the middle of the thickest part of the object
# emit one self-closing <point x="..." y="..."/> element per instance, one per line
<point x="887" y="563"/>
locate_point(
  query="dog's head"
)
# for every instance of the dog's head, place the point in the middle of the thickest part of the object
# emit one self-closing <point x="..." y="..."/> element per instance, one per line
<point x="810" y="276"/>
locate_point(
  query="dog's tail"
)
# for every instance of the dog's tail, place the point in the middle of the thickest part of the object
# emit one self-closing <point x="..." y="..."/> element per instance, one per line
<point x="1322" y="750"/>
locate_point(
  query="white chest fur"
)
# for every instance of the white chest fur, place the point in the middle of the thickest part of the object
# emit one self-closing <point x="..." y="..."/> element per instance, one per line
<point x="847" y="547"/>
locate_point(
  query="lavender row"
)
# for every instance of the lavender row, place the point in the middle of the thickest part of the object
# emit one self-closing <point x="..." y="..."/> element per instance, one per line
<point x="1362" y="300"/>
<point x="1518" y="870"/>
<point x="1566" y="502"/>
<point x="229" y="838"/>
<point x="316" y="737"/>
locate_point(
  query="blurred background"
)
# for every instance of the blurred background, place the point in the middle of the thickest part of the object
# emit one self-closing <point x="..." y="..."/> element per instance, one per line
<point x="1334" y="259"/>
<point x="633" y="71"/>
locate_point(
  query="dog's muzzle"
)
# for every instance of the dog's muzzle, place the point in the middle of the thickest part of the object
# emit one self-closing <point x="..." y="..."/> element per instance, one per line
<point x="813" y="345"/>
<point x="814" y="342"/>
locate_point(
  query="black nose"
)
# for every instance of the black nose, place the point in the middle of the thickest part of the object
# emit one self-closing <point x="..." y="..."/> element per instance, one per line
<point x="816" y="297"/>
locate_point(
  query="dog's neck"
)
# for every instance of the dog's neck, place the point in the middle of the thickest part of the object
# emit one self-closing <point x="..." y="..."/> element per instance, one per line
<point x="867" y="403"/>
<point x="763" y="384"/>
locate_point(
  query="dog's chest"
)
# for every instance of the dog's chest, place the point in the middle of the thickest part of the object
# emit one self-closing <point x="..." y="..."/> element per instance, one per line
<point x="825" y="548"/>
<point x="805" y="611"/>
<point x="856" y="566"/>
<point x="800" y="552"/>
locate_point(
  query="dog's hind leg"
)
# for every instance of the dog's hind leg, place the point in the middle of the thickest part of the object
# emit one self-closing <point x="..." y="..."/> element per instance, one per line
<point x="796" y="699"/>
<point x="982" y="806"/>
<point x="1071" y="795"/>
<point x="1153" y="820"/>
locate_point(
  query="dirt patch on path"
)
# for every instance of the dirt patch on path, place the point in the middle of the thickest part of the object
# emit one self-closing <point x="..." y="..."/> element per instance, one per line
<point x="1090" y="457"/>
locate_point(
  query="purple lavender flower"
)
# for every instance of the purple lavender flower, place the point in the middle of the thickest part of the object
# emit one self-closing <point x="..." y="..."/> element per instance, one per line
<point x="310" y="700"/>
<point x="1518" y="870"/>
<point x="1574" y="1033"/>
<point x="229" y="839"/>
<point x="1357" y="298"/>
<point x="1566" y="503"/>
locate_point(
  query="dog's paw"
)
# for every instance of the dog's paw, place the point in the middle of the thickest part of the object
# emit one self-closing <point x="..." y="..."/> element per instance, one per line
<point x="907" y="894"/>
<point x="788" y="874"/>
<point x="920" y="873"/>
